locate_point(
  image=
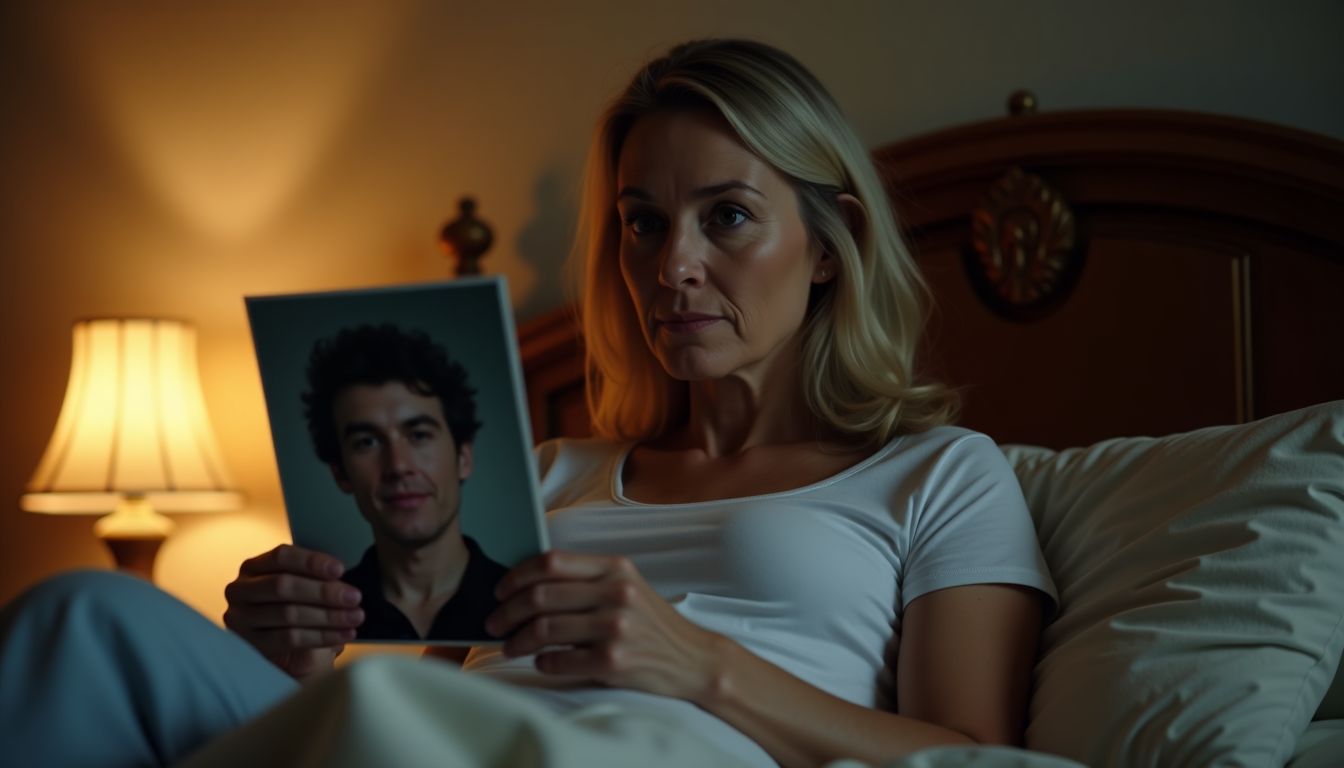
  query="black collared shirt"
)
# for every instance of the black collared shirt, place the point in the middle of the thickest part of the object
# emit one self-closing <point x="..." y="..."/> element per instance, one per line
<point x="461" y="618"/>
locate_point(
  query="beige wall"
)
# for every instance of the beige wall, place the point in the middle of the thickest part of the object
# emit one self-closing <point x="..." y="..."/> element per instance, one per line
<point x="169" y="158"/>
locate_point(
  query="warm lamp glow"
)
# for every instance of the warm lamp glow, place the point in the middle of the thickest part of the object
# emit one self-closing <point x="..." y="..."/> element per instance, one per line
<point x="132" y="434"/>
<point x="228" y="140"/>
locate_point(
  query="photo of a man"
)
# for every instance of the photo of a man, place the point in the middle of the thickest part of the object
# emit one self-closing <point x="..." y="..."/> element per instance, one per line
<point x="394" y="419"/>
<point x="402" y="440"/>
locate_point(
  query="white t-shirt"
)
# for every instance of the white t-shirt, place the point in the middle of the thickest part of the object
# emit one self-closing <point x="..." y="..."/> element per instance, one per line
<point x="814" y="579"/>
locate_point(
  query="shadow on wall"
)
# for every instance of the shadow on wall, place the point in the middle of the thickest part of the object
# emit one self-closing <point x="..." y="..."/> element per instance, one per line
<point x="283" y="109"/>
<point x="544" y="241"/>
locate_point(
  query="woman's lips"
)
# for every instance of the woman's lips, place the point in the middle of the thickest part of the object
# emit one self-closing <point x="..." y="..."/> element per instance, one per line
<point x="687" y="323"/>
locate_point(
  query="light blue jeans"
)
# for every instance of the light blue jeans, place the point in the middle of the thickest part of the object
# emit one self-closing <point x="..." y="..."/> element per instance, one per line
<point x="98" y="668"/>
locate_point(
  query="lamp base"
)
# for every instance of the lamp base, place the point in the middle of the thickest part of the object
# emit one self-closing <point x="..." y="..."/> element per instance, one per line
<point x="135" y="556"/>
<point x="133" y="533"/>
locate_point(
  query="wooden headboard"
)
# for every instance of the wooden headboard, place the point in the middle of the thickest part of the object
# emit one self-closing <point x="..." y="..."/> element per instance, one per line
<point x="1098" y="273"/>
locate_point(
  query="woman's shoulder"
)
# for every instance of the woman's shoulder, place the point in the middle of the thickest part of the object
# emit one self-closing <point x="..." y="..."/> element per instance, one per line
<point x="564" y="464"/>
<point x="931" y="458"/>
<point x="944" y="443"/>
<point x="562" y="452"/>
<point x="946" y="435"/>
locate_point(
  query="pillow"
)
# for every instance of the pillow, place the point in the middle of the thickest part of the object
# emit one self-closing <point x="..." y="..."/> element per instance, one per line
<point x="1321" y="745"/>
<point x="1201" y="591"/>
<point x="1332" y="706"/>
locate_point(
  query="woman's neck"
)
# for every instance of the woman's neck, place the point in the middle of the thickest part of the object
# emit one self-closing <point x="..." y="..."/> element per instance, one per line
<point x="758" y="406"/>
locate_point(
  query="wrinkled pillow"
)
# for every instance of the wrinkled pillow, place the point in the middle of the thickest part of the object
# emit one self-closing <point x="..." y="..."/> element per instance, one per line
<point x="1322" y="746"/>
<point x="1332" y="706"/>
<point x="1201" y="591"/>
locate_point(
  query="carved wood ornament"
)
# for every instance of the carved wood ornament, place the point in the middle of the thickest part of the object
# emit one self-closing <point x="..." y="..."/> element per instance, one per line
<point x="1024" y="257"/>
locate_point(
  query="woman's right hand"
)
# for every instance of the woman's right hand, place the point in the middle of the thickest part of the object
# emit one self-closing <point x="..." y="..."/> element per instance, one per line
<point x="292" y="606"/>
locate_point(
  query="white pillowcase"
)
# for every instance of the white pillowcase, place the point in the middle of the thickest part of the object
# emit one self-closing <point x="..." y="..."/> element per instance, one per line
<point x="1322" y="746"/>
<point x="1201" y="590"/>
<point x="1332" y="706"/>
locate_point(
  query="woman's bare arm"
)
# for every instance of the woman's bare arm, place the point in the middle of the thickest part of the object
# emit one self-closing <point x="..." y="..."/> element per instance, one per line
<point x="963" y="676"/>
<point x="966" y="656"/>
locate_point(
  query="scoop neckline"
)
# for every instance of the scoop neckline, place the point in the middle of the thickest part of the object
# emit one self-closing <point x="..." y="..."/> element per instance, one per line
<point x="617" y="483"/>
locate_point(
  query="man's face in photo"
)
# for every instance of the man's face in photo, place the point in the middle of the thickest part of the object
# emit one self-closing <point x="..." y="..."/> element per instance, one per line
<point x="399" y="461"/>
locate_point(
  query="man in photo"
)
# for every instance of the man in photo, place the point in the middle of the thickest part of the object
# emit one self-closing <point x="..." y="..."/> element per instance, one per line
<point x="394" y="418"/>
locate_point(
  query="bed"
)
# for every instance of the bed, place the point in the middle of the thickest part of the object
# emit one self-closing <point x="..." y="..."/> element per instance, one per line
<point x="1101" y="276"/>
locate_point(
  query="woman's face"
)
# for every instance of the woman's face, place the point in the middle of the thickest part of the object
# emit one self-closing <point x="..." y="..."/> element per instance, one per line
<point x="713" y="251"/>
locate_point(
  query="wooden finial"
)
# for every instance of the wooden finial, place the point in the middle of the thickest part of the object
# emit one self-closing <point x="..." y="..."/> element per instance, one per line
<point x="466" y="238"/>
<point x="1022" y="102"/>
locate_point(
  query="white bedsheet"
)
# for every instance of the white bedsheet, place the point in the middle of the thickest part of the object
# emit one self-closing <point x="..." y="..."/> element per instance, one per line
<point x="398" y="711"/>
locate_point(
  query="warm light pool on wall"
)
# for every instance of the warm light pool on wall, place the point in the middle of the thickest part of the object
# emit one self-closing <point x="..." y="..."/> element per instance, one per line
<point x="132" y="438"/>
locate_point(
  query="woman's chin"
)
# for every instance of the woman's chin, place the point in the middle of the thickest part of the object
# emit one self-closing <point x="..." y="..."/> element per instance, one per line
<point x="690" y="366"/>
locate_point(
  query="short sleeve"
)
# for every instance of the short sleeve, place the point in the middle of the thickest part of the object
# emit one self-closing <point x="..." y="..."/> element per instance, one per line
<point x="570" y="470"/>
<point x="972" y="526"/>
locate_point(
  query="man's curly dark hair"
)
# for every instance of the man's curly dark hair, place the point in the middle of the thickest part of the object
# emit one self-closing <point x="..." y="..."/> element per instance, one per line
<point x="375" y="355"/>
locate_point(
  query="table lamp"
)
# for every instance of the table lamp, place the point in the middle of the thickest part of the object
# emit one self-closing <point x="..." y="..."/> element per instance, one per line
<point x="132" y="438"/>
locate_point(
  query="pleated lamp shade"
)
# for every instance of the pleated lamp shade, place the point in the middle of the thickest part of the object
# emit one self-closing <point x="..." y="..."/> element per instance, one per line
<point x="132" y="435"/>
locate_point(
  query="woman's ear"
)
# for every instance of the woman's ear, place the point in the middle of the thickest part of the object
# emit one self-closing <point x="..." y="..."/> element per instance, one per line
<point x="856" y="217"/>
<point x="824" y="270"/>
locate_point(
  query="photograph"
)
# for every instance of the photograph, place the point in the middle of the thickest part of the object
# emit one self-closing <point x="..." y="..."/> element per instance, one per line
<point x="402" y="442"/>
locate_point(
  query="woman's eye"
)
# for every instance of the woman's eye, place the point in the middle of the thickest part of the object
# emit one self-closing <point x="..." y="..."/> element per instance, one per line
<point x="643" y="224"/>
<point x="728" y="216"/>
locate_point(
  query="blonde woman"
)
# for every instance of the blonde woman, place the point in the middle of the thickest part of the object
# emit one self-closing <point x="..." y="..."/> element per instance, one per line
<point x="811" y="559"/>
<point x="776" y="545"/>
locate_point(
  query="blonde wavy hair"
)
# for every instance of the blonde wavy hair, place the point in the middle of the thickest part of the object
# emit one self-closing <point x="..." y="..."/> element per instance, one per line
<point x="861" y="329"/>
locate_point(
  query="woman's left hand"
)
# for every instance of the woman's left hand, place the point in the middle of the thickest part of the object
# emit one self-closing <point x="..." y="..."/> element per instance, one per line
<point x="596" y="617"/>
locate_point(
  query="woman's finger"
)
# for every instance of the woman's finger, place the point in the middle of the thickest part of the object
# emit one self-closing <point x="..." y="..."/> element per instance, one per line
<point x="555" y="597"/>
<point x="291" y="588"/>
<point x="593" y="662"/>
<point x="604" y="627"/>
<point x="560" y="565"/>
<point x="288" y="558"/>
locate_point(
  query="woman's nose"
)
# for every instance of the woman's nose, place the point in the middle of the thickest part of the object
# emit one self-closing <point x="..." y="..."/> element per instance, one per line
<point x="682" y="262"/>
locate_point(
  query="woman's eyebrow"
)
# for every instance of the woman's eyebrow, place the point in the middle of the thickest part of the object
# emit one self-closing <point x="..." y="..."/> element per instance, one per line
<point x="709" y="191"/>
<point x="718" y="189"/>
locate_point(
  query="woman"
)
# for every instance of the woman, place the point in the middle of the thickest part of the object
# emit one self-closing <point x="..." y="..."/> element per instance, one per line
<point x="775" y="542"/>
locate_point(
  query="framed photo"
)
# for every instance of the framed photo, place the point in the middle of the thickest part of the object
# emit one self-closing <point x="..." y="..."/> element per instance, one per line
<point x="402" y="439"/>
